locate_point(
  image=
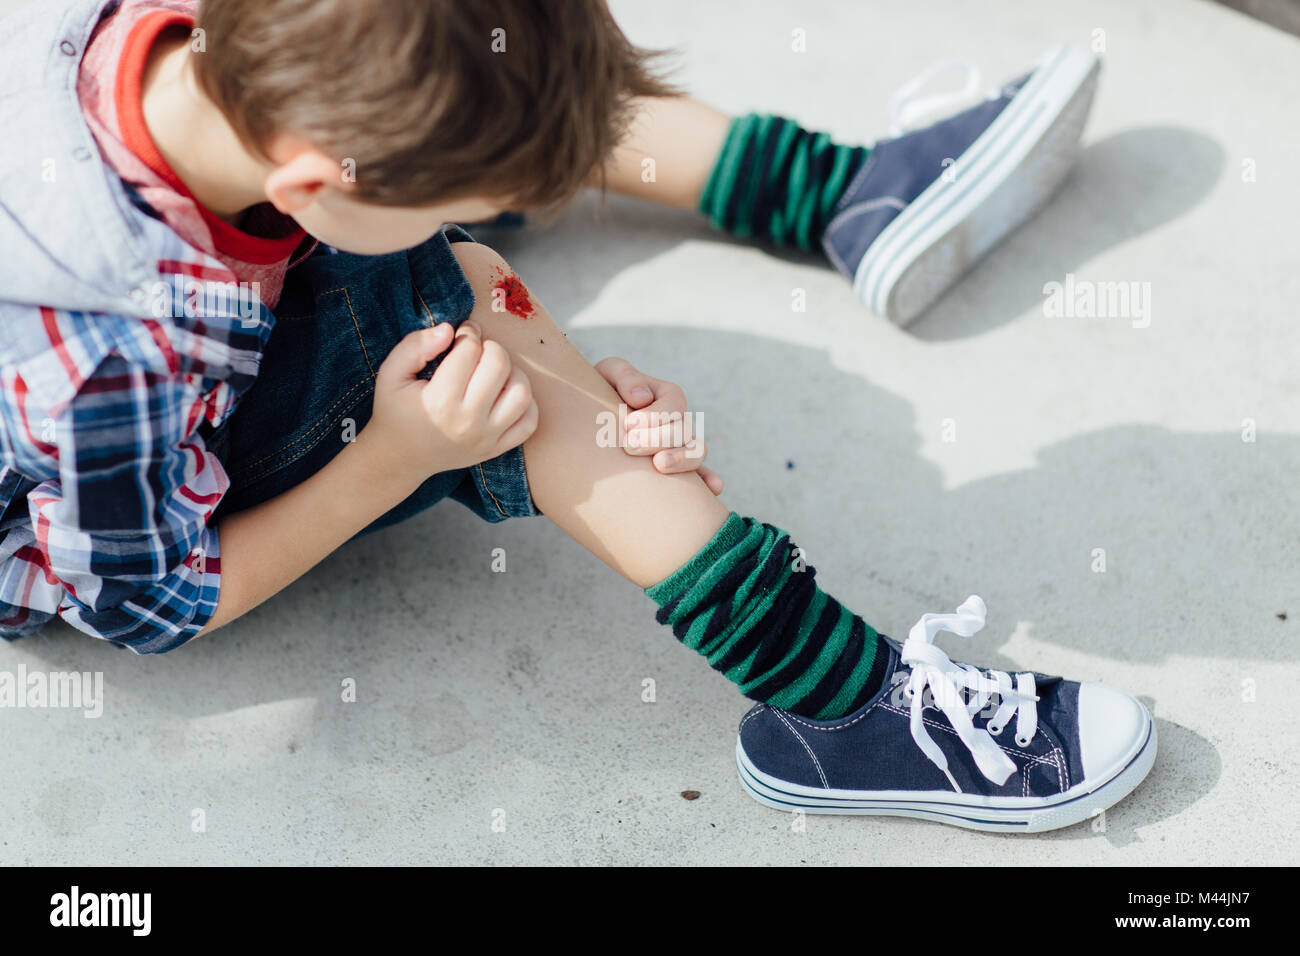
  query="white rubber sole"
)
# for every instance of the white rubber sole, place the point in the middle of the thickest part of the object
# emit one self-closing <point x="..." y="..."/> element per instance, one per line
<point x="970" y="811"/>
<point x="1005" y="176"/>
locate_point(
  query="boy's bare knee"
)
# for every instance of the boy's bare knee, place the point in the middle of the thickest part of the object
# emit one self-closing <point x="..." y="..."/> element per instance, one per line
<point x="478" y="261"/>
<point x="490" y="276"/>
<point x="502" y="303"/>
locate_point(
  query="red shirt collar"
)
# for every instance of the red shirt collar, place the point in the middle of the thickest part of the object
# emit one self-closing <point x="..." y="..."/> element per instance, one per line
<point x="128" y="99"/>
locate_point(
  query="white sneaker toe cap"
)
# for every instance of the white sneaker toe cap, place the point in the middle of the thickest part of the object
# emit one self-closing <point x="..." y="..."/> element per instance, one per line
<point x="1113" y="726"/>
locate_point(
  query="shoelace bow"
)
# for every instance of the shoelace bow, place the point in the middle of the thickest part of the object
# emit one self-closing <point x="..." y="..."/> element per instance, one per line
<point x="908" y="110"/>
<point x="932" y="667"/>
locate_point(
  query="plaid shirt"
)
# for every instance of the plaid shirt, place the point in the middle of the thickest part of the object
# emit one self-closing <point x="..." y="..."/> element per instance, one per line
<point x="100" y="432"/>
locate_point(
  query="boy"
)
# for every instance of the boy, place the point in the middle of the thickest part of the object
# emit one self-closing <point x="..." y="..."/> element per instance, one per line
<point x="237" y="335"/>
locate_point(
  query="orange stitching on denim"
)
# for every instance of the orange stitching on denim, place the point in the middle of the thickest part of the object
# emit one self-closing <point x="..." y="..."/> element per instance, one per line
<point x="489" y="491"/>
<point x="528" y="490"/>
<point x="355" y="324"/>
<point x="427" y="310"/>
<point x="246" y="474"/>
<point x="324" y="422"/>
<point x="248" y="479"/>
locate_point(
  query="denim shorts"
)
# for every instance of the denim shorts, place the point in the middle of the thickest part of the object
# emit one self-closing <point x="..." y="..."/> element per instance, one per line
<point x="337" y="319"/>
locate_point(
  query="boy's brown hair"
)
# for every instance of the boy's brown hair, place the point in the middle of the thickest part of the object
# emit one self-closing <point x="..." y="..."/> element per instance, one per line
<point x="432" y="100"/>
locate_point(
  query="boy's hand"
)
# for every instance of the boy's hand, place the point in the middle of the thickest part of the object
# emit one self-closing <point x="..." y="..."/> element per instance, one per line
<point x="660" y="426"/>
<point x="476" y="406"/>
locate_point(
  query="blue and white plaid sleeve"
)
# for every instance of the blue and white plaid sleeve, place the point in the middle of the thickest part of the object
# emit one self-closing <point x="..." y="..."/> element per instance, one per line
<point x="119" y="537"/>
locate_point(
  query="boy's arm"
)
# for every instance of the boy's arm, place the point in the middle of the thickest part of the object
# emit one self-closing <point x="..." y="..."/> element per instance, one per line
<point x="268" y="546"/>
<point x="118" y="542"/>
<point x="121" y="541"/>
<point x="476" y="406"/>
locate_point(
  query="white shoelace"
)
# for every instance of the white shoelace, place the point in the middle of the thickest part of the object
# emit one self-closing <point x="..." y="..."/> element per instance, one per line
<point x="908" y="110"/>
<point x="931" y="667"/>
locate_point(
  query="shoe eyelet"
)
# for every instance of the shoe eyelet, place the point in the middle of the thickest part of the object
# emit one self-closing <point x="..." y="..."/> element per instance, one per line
<point x="908" y="693"/>
<point x="994" y="730"/>
<point x="1022" y="742"/>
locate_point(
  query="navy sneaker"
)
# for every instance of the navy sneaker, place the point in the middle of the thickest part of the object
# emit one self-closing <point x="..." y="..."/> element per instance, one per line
<point x="927" y="205"/>
<point x="944" y="741"/>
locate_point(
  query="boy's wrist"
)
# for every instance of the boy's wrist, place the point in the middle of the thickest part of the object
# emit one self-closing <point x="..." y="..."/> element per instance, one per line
<point x="383" y="470"/>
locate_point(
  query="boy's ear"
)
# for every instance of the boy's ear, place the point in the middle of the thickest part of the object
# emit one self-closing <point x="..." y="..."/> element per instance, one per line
<point x="298" y="178"/>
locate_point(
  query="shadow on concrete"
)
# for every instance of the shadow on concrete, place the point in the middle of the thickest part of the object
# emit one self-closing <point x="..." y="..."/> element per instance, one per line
<point x="1123" y="186"/>
<point x="1186" y="769"/>
<point x="1179" y="515"/>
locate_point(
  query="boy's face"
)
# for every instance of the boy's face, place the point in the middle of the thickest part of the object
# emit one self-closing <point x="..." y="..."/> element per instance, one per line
<point x="304" y="183"/>
<point x="352" y="226"/>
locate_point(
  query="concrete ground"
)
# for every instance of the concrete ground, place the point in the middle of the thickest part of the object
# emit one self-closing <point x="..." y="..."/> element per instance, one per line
<point x="499" y="717"/>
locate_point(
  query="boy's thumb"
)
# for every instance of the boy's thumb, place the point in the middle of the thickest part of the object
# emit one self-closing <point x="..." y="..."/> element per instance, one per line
<point x="416" y="350"/>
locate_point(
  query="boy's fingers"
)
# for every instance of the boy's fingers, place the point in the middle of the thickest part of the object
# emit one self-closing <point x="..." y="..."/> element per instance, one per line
<point x="673" y="433"/>
<point x="468" y="330"/>
<point x="635" y="388"/>
<point x="414" y="351"/>
<point x="489" y="377"/>
<point x="522" y="429"/>
<point x="669" y="401"/>
<point x="452" y="376"/>
<point x="513" y="401"/>
<point x="677" y="460"/>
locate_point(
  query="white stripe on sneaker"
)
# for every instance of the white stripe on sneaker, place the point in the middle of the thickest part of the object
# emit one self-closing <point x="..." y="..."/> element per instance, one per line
<point x="969" y="811"/>
<point x="1035" y="125"/>
<point x="970" y="167"/>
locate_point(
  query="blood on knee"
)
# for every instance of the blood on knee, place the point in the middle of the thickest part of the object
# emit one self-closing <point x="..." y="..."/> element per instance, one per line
<point x="509" y="294"/>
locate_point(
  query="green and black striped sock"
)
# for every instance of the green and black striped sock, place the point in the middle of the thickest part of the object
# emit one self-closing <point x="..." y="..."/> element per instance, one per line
<point x="775" y="180"/>
<point x="752" y="608"/>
